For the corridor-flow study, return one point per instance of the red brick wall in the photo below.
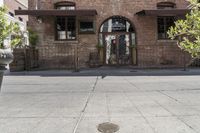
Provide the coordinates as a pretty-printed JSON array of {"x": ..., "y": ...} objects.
[{"x": 150, "y": 51}]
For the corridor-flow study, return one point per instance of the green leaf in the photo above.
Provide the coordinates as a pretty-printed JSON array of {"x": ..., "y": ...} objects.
[
  {"x": 188, "y": 30},
  {"x": 7, "y": 29}
]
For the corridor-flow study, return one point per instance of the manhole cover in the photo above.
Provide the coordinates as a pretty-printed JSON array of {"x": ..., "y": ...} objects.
[{"x": 108, "y": 127}]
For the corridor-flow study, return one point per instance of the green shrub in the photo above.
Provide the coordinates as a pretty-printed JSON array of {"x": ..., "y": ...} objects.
[{"x": 33, "y": 37}]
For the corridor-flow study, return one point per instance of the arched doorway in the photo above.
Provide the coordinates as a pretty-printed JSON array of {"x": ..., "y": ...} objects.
[{"x": 117, "y": 37}]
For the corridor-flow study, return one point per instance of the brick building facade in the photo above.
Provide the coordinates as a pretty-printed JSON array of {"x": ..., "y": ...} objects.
[{"x": 122, "y": 32}]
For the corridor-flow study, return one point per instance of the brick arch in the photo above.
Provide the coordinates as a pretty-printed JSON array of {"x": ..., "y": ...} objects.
[{"x": 103, "y": 20}]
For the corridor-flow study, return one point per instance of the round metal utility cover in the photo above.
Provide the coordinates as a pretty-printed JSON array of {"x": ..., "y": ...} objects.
[{"x": 108, "y": 127}]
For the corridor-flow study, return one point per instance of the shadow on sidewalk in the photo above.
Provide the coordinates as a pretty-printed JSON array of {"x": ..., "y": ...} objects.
[{"x": 110, "y": 71}]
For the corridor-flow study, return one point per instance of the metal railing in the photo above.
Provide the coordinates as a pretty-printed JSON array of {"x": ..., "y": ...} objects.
[
  {"x": 57, "y": 56},
  {"x": 73, "y": 56}
]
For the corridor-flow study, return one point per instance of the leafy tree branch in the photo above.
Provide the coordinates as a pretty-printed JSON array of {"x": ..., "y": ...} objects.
[{"x": 187, "y": 30}]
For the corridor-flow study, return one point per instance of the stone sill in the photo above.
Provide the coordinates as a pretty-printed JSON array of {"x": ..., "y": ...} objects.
[
  {"x": 66, "y": 42},
  {"x": 169, "y": 41}
]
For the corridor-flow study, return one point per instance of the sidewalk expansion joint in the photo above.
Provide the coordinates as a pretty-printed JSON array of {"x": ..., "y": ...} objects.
[{"x": 85, "y": 106}]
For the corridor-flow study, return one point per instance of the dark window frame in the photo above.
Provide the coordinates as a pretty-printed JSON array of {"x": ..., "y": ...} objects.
[
  {"x": 11, "y": 14},
  {"x": 168, "y": 21},
  {"x": 66, "y": 29},
  {"x": 165, "y": 25},
  {"x": 86, "y": 32},
  {"x": 20, "y": 19},
  {"x": 131, "y": 28},
  {"x": 65, "y": 4}
]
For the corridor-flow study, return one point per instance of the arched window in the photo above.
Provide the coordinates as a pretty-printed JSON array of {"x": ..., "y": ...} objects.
[
  {"x": 165, "y": 22},
  {"x": 65, "y": 25},
  {"x": 166, "y": 5},
  {"x": 117, "y": 35},
  {"x": 117, "y": 24},
  {"x": 65, "y": 5}
]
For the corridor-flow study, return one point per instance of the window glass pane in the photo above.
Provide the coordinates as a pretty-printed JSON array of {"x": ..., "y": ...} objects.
[
  {"x": 100, "y": 39},
  {"x": 166, "y": 5},
  {"x": 61, "y": 30},
  {"x": 71, "y": 28},
  {"x": 106, "y": 27},
  {"x": 164, "y": 23},
  {"x": 133, "y": 39},
  {"x": 65, "y": 26},
  {"x": 129, "y": 27},
  {"x": 66, "y": 7},
  {"x": 11, "y": 14},
  {"x": 86, "y": 27},
  {"x": 117, "y": 24},
  {"x": 161, "y": 28},
  {"x": 169, "y": 22}
]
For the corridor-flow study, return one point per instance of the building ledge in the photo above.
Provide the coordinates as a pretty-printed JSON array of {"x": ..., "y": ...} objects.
[
  {"x": 167, "y": 41},
  {"x": 55, "y": 12},
  {"x": 163, "y": 12},
  {"x": 66, "y": 42}
]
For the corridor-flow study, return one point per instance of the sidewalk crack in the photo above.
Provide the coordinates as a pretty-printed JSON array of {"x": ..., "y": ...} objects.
[{"x": 85, "y": 106}]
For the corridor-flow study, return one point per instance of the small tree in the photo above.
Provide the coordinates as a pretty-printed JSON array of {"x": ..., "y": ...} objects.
[
  {"x": 8, "y": 28},
  {"x": 187, "y": 31}
]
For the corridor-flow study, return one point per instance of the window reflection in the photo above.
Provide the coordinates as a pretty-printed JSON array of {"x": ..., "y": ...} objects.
[
  {"x": 116, "y": 24},
  {"x": 117, "y": 35},
  {"x": 65, "y": 26}
]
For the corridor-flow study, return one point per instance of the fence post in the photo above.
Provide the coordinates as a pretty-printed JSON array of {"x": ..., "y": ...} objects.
[
  {"x": 184, "y": 61},
  {"x": 25, "y": 58},
  {"x": 76, "y": 58}
]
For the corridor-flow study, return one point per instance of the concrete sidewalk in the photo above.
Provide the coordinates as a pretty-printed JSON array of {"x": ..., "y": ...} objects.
[{"x": 145, "y": 101}]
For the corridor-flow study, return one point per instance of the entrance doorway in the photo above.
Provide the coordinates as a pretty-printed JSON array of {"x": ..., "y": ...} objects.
[
  {"x": 117, "y": 37},
  {"x": 117, "y": 50}
]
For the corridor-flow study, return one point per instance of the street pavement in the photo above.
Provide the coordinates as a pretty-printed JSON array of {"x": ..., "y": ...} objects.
[{"x": 138, "y": 101}]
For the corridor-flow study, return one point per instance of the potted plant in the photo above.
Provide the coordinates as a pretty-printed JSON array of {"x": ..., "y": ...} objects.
[
  {"x": 101, "y": 52},
  {"x": 7, "y": 29}
]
